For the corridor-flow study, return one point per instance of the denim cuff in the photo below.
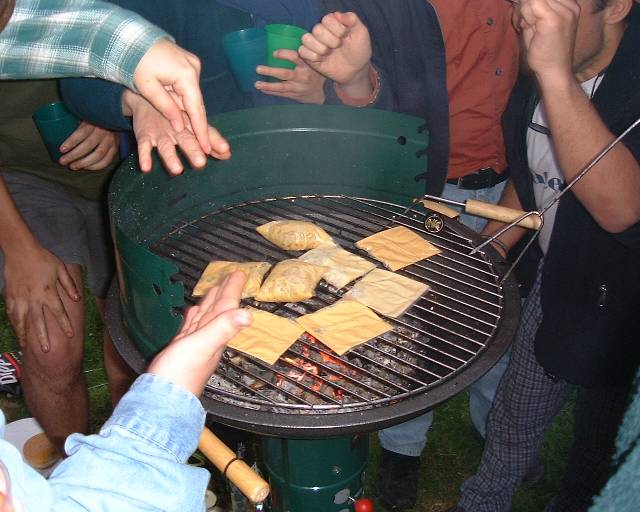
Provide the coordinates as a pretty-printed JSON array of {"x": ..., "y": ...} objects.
[{"x": 161, "y": 412}]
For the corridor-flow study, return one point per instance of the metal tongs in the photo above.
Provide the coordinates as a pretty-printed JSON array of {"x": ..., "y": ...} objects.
[{"x": 531, "y": 220}]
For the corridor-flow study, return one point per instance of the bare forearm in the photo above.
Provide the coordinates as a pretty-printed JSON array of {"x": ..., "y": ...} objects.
[
  {"x": 360, "y": 86},
  {"x": 611, "y": 190},
  {"x": 15, "y": 235}
]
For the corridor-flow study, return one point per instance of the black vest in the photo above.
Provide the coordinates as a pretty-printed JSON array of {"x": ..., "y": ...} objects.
[{"x": 590, "y": 332}]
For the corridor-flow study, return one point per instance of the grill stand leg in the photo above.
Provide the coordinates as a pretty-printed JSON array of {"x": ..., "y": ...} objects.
[{"x": 318, "y": 475}]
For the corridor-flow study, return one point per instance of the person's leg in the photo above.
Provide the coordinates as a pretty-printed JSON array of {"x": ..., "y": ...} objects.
[
  {"x": 408, "y": 438},
  {"x": 53, "y": 383},
  {"x": 403, "y": 443},
  {"x": 100, "y": 272},
  {"x": 598, "y": 415},
  {"x": 120, "y": 376},
  {"x": 481, "y": 392},
  {"x": 526, "y": 403},
  {"x": 397, "y": 478}
]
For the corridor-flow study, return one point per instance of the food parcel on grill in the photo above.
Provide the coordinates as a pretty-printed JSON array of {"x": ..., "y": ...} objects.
[
  {"x": 294, "y": 235},
  {"x": 344, "y": 325},
  {"x": 387, "y": 293},
  {"x": 397, "y": 247},
  {"x": 216, "y": 271},
  {"x": 291, "y": 281},
  {"x": 267, "y": 337},
  {"x": 343, "y": 266}
]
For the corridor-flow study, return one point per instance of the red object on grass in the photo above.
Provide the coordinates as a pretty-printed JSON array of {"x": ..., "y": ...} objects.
[{"x": 364, "y": 505}]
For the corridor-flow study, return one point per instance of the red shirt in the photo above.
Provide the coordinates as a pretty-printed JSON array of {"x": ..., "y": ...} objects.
[{"x": 482, "y": 66}]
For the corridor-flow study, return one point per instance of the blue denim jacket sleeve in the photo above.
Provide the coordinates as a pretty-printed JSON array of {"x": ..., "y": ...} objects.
[{"x": 135, "y": 463}]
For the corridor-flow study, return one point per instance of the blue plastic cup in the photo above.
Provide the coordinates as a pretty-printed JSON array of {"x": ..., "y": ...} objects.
[
  {"x": 245, "y": 50},
  {"x": 55, "y": 123}
]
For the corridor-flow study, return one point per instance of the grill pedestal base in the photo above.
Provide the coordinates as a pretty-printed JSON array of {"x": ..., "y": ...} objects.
[{"x": 315, "y": 475}]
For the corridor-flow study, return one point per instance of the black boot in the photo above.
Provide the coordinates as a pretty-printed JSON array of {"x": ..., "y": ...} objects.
[{"x": 397, "y": 482}]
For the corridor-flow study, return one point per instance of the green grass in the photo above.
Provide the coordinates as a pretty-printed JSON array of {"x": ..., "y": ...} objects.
[{"x": 452, "y": 453}]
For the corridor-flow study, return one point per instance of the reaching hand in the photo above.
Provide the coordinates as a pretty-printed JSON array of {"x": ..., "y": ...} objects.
[
  {"x": 339, "y": 48},
  {"x": 548, "y": 29},
  {"x": 153, "y": 130},
  {"x": 302, "y": 84},
  {"x": 34, "y": 281},
  {"x": 193, "y": 355},
  {"x": 89, "y": 148},
  {"x": 167, "y": 67}
]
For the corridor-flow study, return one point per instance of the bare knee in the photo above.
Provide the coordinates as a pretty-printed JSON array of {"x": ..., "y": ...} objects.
[{"x": 57, "y": 369}]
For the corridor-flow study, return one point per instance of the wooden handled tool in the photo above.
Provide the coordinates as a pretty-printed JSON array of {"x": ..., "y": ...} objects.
[
  {"x": 244, "y": 478},
  {"x": 492, "y": 211}
]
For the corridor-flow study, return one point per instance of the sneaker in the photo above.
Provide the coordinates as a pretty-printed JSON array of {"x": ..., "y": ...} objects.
[{"x": 397, "y": 482}]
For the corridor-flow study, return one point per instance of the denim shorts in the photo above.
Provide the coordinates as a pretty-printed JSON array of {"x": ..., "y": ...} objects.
[{"x": 69, "y": 226}]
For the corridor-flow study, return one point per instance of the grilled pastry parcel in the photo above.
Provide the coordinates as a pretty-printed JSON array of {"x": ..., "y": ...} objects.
[
  {"x": 343, "y": 266},
  {"x": 294, "y": 235},
  {"x": 216, "y": 271},
  {"x": 291, "y": 281}
]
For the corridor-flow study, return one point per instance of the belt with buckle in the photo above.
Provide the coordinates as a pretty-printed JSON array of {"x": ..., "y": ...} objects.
[{"x": 484, "y": 178}]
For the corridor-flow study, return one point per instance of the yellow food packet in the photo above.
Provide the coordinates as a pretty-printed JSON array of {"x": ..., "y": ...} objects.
[
  {"x": 343, "y": 266},
  {"x": 294, "y": 235},
  {"x": 216, "y": 271},
  {"x": 344, "y": 325},
  {"x": 387, "y": 293},
  {"x": 291, "y": 281},
  {"x": 397, "y": 247},
  {"x": 268, "y": 337}
]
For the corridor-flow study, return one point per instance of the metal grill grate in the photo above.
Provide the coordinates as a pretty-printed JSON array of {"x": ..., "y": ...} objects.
[{"x": 444, "y": 332}]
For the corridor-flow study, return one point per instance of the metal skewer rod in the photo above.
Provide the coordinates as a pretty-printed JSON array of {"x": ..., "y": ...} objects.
[
  {"x": 505, "y": 214},
  {"x": 571, "y": 184},
  {"x": 555, "y": 199},
  {"x": 589, "y": 166},
  {"x": 529, "y": 220},
  {"x": 407, "y": 209},
  {"x": 506, "y": 228},
  {"x": 443, "y": 200}
]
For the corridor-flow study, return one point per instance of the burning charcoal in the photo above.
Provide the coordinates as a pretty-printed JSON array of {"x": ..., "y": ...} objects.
[
  {"x": 236, "y": 360},
  {"x": 356, "y": 362},
  {"x": 287, "y": 385},
  {"x": 298, "y": 307}
]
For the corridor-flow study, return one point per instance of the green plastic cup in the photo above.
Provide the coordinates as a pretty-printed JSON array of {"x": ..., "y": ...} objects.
[
  {"x": 282, "y": 37},
  {"x": 245, "y": 50},
  {"x": 55, "y": 123}
]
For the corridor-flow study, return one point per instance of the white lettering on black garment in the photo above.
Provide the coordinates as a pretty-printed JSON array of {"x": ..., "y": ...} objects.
[{"x": 548, "y": 178}]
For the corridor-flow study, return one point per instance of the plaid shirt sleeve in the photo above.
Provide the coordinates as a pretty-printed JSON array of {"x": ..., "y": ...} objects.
[{"x": 54, "y": 38}]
